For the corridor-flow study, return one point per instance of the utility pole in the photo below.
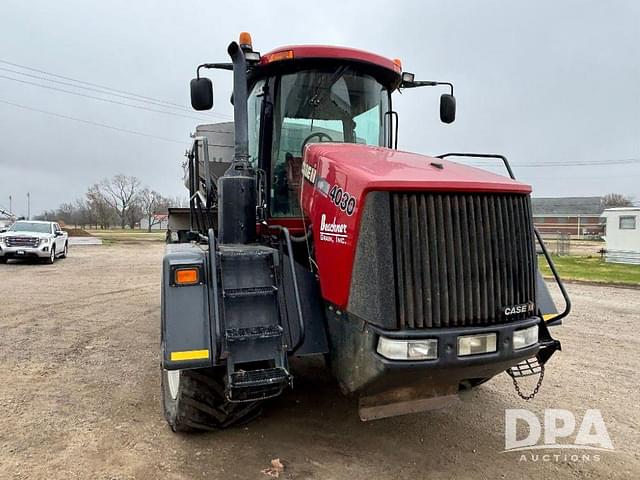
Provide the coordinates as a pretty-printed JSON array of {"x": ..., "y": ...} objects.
[
  {"x": 28, "y": 206},
  {"x": 10, "y": 204}
]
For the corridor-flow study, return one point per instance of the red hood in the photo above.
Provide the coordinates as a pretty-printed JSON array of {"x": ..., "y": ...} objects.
[
  {"x": 384, "y": 169},
  {"x": 336, "y": 180}
]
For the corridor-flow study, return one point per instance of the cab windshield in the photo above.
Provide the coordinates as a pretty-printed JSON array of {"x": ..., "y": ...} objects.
[{"x": 338, "y": 105}]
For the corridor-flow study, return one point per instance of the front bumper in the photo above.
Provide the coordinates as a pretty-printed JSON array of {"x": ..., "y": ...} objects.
[
  {"x": 41, "y": 251},
  {"x": 361, "y": 369}
]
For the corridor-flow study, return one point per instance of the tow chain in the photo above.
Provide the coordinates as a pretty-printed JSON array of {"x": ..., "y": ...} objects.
[{"x": 535, "y": 390}]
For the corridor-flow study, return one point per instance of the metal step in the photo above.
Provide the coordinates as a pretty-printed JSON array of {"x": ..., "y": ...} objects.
[
  {"x": 253, "y": 385},
  {"x": 525, "y": 368},
  {"x": 250, "y": 292},
  {"x": 253, "y": 333}
]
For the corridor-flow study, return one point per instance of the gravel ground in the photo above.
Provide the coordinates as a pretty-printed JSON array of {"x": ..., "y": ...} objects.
[{"x": 79, "y": 393}]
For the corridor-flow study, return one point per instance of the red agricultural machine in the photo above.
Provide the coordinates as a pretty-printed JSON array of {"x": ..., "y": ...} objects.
[{"x": 310, "y": 233}]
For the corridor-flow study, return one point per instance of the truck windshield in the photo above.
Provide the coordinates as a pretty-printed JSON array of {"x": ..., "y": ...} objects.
[
  {"x": 30, "y": 227},
  {"x": 339, "y": 105}
]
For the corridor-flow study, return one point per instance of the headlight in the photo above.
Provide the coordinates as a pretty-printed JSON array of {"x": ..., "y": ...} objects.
[
  {"x": 476, "y": 344},
  {"x": 44, "y": 241},
  {"x": 408, "y": 349},
  {"x": 525, "y": 337}
]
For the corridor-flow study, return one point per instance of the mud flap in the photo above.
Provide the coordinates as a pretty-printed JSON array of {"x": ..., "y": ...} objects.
[{"x": 185, "y": 333}]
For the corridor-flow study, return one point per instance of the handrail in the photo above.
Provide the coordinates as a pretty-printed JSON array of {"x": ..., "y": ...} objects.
[
  {"x": 482, "y": 155},
  {"x": 213, "y": 292},
  {"x": 556, "y": 276},
  {"x": 292, "y": 266}
]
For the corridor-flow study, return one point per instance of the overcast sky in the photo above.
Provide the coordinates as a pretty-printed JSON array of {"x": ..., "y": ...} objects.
[{"x": 541, "y": 82}]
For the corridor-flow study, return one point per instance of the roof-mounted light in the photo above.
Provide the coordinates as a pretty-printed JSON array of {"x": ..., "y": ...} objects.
[
  {"x": 278, "y": 56},
  {"x": 398, "y": 63},
  {"x": 245, "y": 41}
]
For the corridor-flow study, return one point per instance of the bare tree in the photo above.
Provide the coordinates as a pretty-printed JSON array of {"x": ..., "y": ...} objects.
[
  {"x": 612, "y": 200},
  {"x": 66, "y": 213},
  {"x": 179, "y": 201},
  {"x": 83, "y": 214},
  {"x": 153, "y": 204},
  {"x": 101, "y": 211},
  {"x": 121, "y": 194}
]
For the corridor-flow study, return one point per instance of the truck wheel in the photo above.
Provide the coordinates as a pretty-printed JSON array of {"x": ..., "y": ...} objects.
[
  {"x": 194, "y": 400},
  {"x": 65, "y": 252},
  {"x": 52, "y": 256}
]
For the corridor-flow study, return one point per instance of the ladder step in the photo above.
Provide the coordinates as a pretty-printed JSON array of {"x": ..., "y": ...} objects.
[
  {"x": 259, "y": 378},
  {"x": 254, "y": 253},
  {"x": 525, "y": 368},
  {"x": 253, "y": 333},
  {"x": 250, "y": 292}
]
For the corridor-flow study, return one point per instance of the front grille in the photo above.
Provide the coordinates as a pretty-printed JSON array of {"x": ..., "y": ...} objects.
[
  {"x": 460, "y": 259},
  {"x": 23, "y": 242}
]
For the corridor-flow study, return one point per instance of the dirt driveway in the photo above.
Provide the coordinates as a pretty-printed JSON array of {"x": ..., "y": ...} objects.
[{"x": 79, "y": 393}]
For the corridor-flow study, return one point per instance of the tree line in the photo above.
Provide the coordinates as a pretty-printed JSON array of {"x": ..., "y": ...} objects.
[{"x": 118, "y": 201}]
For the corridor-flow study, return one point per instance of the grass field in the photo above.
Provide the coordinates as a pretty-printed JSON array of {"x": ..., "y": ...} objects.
[
  {"x": 592, "y": 269},
  {"x": 128, "y": 236}
]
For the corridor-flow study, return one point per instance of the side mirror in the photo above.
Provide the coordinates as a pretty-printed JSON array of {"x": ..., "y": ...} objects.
[
  {"x": 2, "y": 230},
  {"x": 59, "y": 233},
  {"x": 447, "y": 108},
  {"x": 201, "y": 93}
]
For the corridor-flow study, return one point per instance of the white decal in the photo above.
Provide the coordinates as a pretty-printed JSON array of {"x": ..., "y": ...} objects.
[
  {"x": 309, "y": 173},
  {"x": 332, "y": 232}
]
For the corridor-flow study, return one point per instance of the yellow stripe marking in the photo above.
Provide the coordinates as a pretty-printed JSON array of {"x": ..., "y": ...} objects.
[
  {"x": 548, "y": 316},
  {"x": 190, "y": 355}
]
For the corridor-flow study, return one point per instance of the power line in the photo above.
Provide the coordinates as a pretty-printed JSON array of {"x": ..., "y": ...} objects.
[
  {"x": 115, "y": 102},
  {"x": 90, "y": 122},
  {"x": 104, "y": 87},
  {"x": 97, "y": 90},
  {"x": 108, "y": 89}
]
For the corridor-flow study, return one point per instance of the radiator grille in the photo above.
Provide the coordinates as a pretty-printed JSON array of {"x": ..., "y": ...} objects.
[
  {"x": 23, "y": 242},
  {"x": 460, "y": 259}
]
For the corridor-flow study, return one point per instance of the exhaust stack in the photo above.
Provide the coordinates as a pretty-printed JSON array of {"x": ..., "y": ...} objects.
[{"x": 237, "y": 187}]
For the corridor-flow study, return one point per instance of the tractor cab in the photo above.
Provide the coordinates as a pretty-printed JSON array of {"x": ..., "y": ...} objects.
[
  {"x": 299, "y": 103},
  {"x": 298, "y": 95}
]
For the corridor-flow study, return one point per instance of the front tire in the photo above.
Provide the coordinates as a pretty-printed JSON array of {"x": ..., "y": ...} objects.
[
  {"x": 65, "y": 251},
  {"x": 195, "y": 400},
  {"x": 52, "y": 256}
]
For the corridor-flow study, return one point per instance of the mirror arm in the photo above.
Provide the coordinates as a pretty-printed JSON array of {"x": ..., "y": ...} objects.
[
  {"x": 220, "y": 66},
  {"x": 426, "y": 83}
]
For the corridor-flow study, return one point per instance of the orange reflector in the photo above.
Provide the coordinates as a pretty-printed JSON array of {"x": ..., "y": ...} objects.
[
  {"x": 187, "y": 276},
  {"x": 245, "y": 40},
  {"x": 277, "y": 56}
]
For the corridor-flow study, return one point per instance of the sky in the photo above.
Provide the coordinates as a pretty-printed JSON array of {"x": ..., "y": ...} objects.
[{"x": 546, "y": 83}]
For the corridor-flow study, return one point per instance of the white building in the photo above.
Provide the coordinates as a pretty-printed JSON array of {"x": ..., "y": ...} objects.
[{"x": 622, "y": 234}]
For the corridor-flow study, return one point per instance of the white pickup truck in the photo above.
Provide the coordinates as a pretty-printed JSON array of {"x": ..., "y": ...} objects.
[{"x": 32, "y": 239}]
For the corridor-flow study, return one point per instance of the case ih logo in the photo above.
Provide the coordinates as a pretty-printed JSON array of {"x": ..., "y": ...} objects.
[
  {"x": 309, "y": 173},
  {"x": 332, "y": 232},
  {"x": 515, "y": 309}
]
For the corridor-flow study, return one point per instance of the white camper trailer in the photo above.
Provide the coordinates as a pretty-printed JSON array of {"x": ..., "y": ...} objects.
[{"x": 622, "y": 234}]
